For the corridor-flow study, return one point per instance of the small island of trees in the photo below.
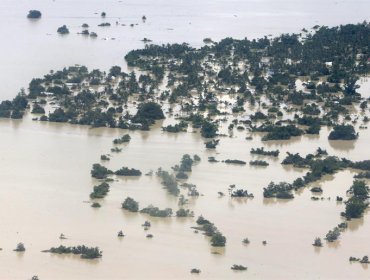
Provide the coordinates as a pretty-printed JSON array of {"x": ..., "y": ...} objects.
[{"x": 34, "y": 14}]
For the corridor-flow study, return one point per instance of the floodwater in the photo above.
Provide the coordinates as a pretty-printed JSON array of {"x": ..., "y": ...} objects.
[{"x": 45, "y": 167}]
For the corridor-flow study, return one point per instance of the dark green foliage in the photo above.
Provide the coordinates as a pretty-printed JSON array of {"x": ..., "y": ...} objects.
[
  {"x": 182, "y": 175},
  {"x": 209, "y": 229},
  {"x": 208, "y": 129},
  {"x": 95, "y": 205},
  {"x": 282, "y": 133},
  {"x": 362, "y": 165},
  {"x": 259, "y": 162},
  {"x": 212, "y": 144},
  {"x": 359, "y": 189},
  {"x": 20, "y": 248},
  {"x": 363, "y": 175},
  {"x": 317, "y": 242},
  {"x": 156, "y": 212},
  {"x": 125, "y": 171},
  {"x": 180, "y": 127},
  {"x": 84, "y": 251},
  {"x": 37, "y": 109},
  {"x": 281, "y": 190},
  {"x": 333, "y": 235},
  {"x": 104, "y": 157},
  {"x": 184, "y": 213},
  {"x": 115, "y": 71},
  {"x": 149, "y": 111},
  {"x": 100, "y": 191},
  {"x": 104, "y": 24},
  {"x": 235, "y": 161},
  {"x": 296, "y": 160},
  {"x": 169, "y": 182},
  {"x": 316, "y": 190},
  {"x": 357, "y": 204},
  {"x": 63, "y": 30},
  {"x": 240, "y": 193},
  {"x": 130, "y": 204},
  {"x": 58, "y": 116},
  {"x": 238, "y": 267},
  {"x": 34, "y": 14},
  {"x": 100, "y": 172},
  {"x": 343, "y": 132},
  {"x": 261, "y": 151},
  {"x": 124, "y": 139},
  {"x": 218, "y": 240}
]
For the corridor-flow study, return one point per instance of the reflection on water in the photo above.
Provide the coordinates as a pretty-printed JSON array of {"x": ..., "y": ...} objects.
[{"x": 342, "y": 145}]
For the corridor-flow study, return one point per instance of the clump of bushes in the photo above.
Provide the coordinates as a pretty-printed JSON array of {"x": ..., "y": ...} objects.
[
  {"x": 84, "y": 251},
  {"x": 124, "y": 139},
  {"x": 259, "y": 162},
  {"x": 125, "y": 171},
  {"x": 100, "y": 172},
  {"x": 130, "y": 204},
  {"x": 343, "y": 132},
  {"x": 261, "y": 151},
  {"x": 281, "y": 190},
  {"x": 100, "y": 191},
  {"x": 156, "y": 212},
  {"x": 209, "y": 229},
  {"x": 238, "y": 267}
]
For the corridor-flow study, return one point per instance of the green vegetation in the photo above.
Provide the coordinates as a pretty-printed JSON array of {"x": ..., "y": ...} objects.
[
  {"x": 333, "y": 235},
  {"x": 184, "y": 213},
  {"x": 235, "y": 161},
  {"x": 20, "y": 248},
  {"x": 84, "y": 251},
  {"x": 100, "y": 191},
  {"x": 238, "y": 267},
  {"x": 357, "y": 203},
  {"x": 104, "y": 157},
  {"x": 37, "y": 109},
  {"x": 124, "y": 139},
  {"x": 156, "y": 212},
  {"x": 259, "y": 162},
  {"x": 212, "y": 144},
  {"x": 195, "y": 270},
  {"x": 149, "y": 111},
  {"x": 281, "y": 190},
  {"x": 209, "y": 229},
  {"x": 261, "y": 151},
  {"x": 317, "y": 242},
  {"x": 34, "y": 14},
  {"x": 218, "y": 240},
  {"x": 63, "y": 30},
  {"x": 169, "y": 182},
  {"x": 14, "y": 109},
  {"x": 246, "y": 241},
  {"x": 125, "y": 171},
  {"x": 208, "y": 129},
  {"x": 282, "y": 133},
  {"x": 182, "y": 126},
  {"x": 130, "y": 204},
  {"x": 100, "y": 172},
  {"x": 239, "y": 192},
  {"x": 316, "y": 190},
  {"x": 364, "y": 260},
  {"x": 343, "y": 132}
]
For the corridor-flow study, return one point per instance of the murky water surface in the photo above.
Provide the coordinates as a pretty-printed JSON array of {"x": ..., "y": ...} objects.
[{"x": 45, "y": 180}]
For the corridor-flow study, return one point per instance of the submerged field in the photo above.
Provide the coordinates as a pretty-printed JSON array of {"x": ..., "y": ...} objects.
[{"x": 220, "y": 101}]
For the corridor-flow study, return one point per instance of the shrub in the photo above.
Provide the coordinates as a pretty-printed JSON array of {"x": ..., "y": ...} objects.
[
  {"x": 343, "y": 132},
  {"x": 130, "y": 204}
]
